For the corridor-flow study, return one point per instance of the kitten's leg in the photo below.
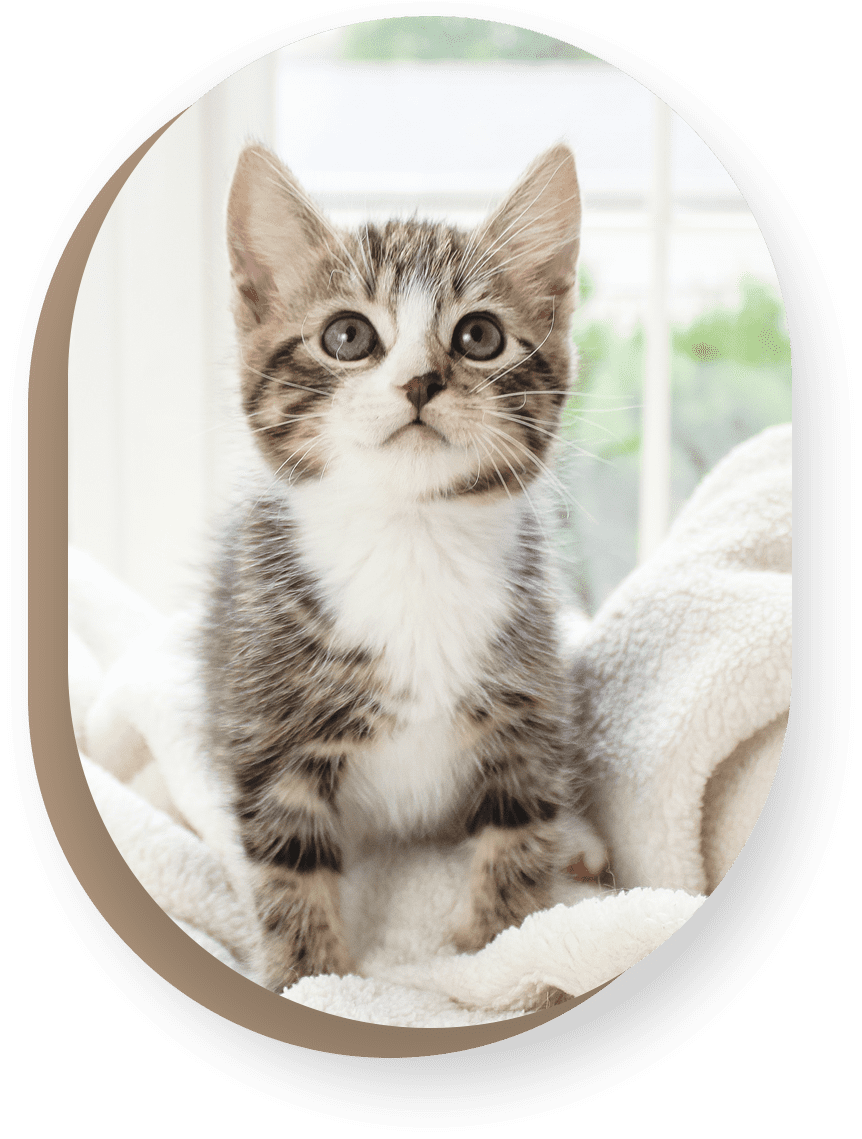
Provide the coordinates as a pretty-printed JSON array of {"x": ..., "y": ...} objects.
[
  {"x": 512, "y": 874},
  {"x": 301, "y": 932},
  {"x": 290, "y": 837}
]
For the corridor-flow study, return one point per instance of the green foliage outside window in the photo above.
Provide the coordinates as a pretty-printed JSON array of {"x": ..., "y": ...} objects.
[
  {"x": 730, "y": 376},
  {"x": 452, "y": 37}
]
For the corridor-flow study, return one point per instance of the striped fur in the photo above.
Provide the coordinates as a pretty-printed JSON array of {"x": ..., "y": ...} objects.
[{"x": 380, "y": 652}]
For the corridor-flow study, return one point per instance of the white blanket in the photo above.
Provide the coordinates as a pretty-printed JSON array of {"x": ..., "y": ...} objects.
[{"x": 685, "y": 673}]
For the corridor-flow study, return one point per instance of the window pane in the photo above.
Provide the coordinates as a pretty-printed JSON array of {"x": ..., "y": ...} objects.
[{"x": 447, "y": 137}]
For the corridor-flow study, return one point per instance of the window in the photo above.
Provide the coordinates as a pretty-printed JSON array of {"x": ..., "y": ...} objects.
[{"x": 680, "y": 331}]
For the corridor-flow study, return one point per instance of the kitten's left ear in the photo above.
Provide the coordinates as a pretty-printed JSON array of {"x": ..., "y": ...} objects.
[{"x": 537, "y": 229}]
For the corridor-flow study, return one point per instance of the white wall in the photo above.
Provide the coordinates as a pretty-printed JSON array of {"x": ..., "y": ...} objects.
[{"x": 151, "y": 367}]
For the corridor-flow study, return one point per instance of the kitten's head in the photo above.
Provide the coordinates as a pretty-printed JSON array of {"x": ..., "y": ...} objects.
[{"x": 414, "y": 354}]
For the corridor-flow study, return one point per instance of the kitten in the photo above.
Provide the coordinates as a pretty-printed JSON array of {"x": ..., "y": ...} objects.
[{"x": 380, "y": 654}]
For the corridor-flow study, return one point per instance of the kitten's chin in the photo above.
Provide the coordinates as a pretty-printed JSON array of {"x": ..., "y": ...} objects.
[{"x": 415, "y": 462}]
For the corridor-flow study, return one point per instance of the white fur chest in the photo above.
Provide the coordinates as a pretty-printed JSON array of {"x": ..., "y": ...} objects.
[{"x": 424, "y": 587}]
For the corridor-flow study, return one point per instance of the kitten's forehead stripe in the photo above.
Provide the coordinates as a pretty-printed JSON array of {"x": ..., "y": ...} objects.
[{"x": 406, "y": 253}]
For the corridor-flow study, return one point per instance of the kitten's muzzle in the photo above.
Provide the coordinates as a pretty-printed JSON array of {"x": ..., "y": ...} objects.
[{"x": 421, "y": 389}]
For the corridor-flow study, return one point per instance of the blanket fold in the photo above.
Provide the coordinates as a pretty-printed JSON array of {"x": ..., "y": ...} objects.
[
  {"x": 686, "y": 661},
  {"x": 685, "y": 682}
]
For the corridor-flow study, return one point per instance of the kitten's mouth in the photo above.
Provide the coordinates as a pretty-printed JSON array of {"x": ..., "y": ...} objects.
[{"x": 417, "y": 428}]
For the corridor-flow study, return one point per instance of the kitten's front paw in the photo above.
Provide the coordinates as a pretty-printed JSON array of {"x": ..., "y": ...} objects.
[
  {"x": 278, "y": 975},
  {"x": 475, "y": 935}
]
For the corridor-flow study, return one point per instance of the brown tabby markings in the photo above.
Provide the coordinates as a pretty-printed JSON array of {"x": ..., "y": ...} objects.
[
  {"x": 291, "y": 708},
  {"x": 511, "y": 876}
]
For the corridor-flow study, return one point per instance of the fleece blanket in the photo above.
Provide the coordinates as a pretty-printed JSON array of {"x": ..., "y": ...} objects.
[{"x": 684, "y": 676}]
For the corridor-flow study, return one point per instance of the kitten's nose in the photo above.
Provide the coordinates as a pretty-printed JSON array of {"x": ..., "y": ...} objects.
[{"x": 421, "y": 389}]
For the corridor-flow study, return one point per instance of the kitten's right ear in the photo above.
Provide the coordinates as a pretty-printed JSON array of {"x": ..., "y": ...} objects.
[{"x": 274, "y": 233}]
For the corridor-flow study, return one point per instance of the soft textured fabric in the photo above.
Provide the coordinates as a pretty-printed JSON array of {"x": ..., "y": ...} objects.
[{"x": 685, "y": 676}]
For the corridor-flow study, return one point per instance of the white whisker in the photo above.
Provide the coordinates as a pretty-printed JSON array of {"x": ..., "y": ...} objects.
[
  {"x": 561, "y": 441},
  {"x": 598, "y": 426},
  {"x": 529, "y": 424},
  {"x": 284, "y": 383},
  {"x": 497, "y": 472},
  {"x": 563, "y": 491},
  {"x": 265, "y": 491},
  {"x": 539, "y": 391},
  {"x": 317, "y": 440},
  {"x": 547, "y": 426},
  {"x": 290, "y": 419},
  {"x": 527, "y": 494}
]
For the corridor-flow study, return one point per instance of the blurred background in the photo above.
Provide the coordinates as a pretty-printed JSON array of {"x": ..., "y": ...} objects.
[{"x": 680, "y": 328}]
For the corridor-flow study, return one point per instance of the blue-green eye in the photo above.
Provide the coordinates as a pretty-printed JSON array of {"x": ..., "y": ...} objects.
[
  {"x": 478, "y": 337},
  {"x": 349, "y": 337}
]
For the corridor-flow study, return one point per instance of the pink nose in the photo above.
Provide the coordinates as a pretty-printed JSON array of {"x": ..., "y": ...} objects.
[{"x": 421, "y": 389}]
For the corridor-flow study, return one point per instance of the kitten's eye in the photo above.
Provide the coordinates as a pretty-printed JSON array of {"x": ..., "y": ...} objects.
[
  {"x": 349, "y": 337},
  {"x": 478, "y": 337}
]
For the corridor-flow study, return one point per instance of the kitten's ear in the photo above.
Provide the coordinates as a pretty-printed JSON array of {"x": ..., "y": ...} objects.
[
  {"x": 274, "y": 233},
  {"x": 537, "y": 229}
]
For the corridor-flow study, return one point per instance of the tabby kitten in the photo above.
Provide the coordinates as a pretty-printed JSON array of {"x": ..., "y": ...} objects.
[{"x": 380, "y": 654}]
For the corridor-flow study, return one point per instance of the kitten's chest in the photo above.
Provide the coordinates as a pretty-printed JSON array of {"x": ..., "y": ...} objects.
[{"x": 425, "y": 591}]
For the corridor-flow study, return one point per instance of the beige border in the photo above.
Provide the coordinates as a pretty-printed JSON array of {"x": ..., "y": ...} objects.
[{"x": 108, "y": 881}]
